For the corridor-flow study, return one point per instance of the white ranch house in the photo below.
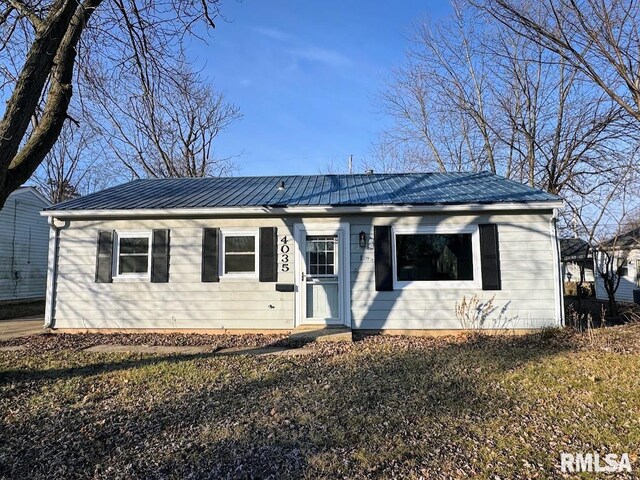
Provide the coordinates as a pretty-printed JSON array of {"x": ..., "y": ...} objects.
[{"x": 374, "y": 252}]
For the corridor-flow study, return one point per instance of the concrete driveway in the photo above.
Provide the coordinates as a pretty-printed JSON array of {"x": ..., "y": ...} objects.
[{"x": 20, "y": 327}]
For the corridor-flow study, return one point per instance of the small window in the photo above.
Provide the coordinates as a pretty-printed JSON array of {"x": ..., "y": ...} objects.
[
  {"x": 623, "y": 268},
  {"x": 239, "y": 253},
  {"x": 133, "y": 254},
  {"x": 434, "y": 257}
]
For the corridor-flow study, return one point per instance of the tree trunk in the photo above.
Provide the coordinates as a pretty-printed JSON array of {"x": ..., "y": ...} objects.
[{"x": 52, "y": 55}]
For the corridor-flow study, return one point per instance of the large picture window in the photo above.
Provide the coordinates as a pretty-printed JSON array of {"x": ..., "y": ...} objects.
[
  {"x": 239, "y": 253},
  {"x": 447, "y": 258},
  {"x": 133, "y": 254}
]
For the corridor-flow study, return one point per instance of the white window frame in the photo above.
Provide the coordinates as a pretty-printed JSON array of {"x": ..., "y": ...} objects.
[
  {"x": 474, "y": 230},
  {"x": 239, "y": 233},
  {"x": 116, "y": 257}
]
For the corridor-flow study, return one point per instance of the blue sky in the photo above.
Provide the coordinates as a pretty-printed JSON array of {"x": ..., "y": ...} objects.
[{"x": 305, "y": 75}]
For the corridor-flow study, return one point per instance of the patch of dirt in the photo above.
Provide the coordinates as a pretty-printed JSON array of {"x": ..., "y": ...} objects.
[
  {"x": 80, "y": 341},
  {"x": 619, "y": 339},
  {"x": 577, "y": 309}
]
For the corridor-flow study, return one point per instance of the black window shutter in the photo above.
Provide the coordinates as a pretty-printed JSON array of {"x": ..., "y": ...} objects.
[
  {"x": 160, "y": 256},
  {"x": 210, "y": 255},
  {"x": 490, "y": 257},
  {"x": 104, "y": 257},
  {"x": 268, "y": 255},
  {"x": 382, "y": 256}
]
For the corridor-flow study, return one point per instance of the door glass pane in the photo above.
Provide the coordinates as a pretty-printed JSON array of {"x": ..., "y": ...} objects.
[
  {"x": 320, "y": 255},
  {"x": 322, "y": 300}
]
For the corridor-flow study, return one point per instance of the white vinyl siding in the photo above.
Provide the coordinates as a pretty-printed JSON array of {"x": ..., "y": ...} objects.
[
  {"x": 527, "y": 264},
  {"x": 24, "y": 238},
  {"x": 184, "y": 302},
  {"x": 529, "y": 278}
]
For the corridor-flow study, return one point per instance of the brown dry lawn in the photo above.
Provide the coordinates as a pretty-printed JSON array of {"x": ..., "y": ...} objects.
[{"x": 378, "y": 408}]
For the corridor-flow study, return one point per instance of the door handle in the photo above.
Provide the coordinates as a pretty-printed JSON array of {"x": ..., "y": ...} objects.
[{"x": 303, "y": 276}]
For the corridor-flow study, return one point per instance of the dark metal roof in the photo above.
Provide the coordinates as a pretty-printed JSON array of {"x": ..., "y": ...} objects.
[
  {"x": 574, "y": 249},
  {"x": 310, "y": 190}
]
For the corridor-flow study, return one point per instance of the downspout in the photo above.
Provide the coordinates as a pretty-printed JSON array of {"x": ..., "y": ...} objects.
[
  {"x": 558, "y": 269},
  {"x": 52, "y": 272}
]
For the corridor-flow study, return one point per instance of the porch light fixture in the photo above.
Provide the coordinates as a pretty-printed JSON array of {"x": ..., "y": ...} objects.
[
  {"x": 362, "y": 241},
  {"x": 281, "y": 185}
]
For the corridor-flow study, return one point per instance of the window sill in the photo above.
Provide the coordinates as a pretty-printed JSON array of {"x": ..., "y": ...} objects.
[
  {"x": 437, "y": 285},
  {"x": 239, "y": 278},
  {"x": 132, "y": 278}
]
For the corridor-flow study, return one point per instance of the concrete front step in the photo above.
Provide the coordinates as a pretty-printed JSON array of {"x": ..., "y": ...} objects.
[{"x": 322, "y": 334}]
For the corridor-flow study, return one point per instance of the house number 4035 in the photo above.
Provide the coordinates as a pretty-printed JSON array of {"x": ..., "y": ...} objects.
[{"x": 285, "y": 251}]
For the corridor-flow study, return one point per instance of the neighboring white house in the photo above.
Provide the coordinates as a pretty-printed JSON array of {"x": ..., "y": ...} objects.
[
  {"x": 378, "y": 251},
  {"x": 24, "y": 240},
  {"x": 627, "y": 257},
  {"x": 575, "y": 255}
]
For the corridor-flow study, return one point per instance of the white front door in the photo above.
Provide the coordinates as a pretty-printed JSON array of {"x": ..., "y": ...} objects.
[{"x": 321, "y": 279}]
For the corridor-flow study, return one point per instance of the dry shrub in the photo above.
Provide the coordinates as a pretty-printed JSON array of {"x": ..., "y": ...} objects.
[{"x": 474, "y": 313}]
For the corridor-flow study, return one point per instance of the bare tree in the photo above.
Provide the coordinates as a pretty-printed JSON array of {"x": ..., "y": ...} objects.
[
  {"x": 42, "y": 41},
  {"x": 475, "y": 96},
  {"x": 61, "y": 173},
  {"x": 387, "y": 157},
  {"x": 604, "y": 218},
  {"x": 161, "y": 126},
  {"x": 599, "y": 38},
  {"x": 74, "y": 166},
  {"x": 599, "y": 41},
  {"x": 439, "y": 99}
]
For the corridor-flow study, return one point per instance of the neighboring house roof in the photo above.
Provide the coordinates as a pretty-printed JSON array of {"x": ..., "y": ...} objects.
[
  {"x": 574, "y": 249},
  {"x": 32, "y": 190},
  {"x": 628, "y": 239},
  {"x": 310, "y": 190}
]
